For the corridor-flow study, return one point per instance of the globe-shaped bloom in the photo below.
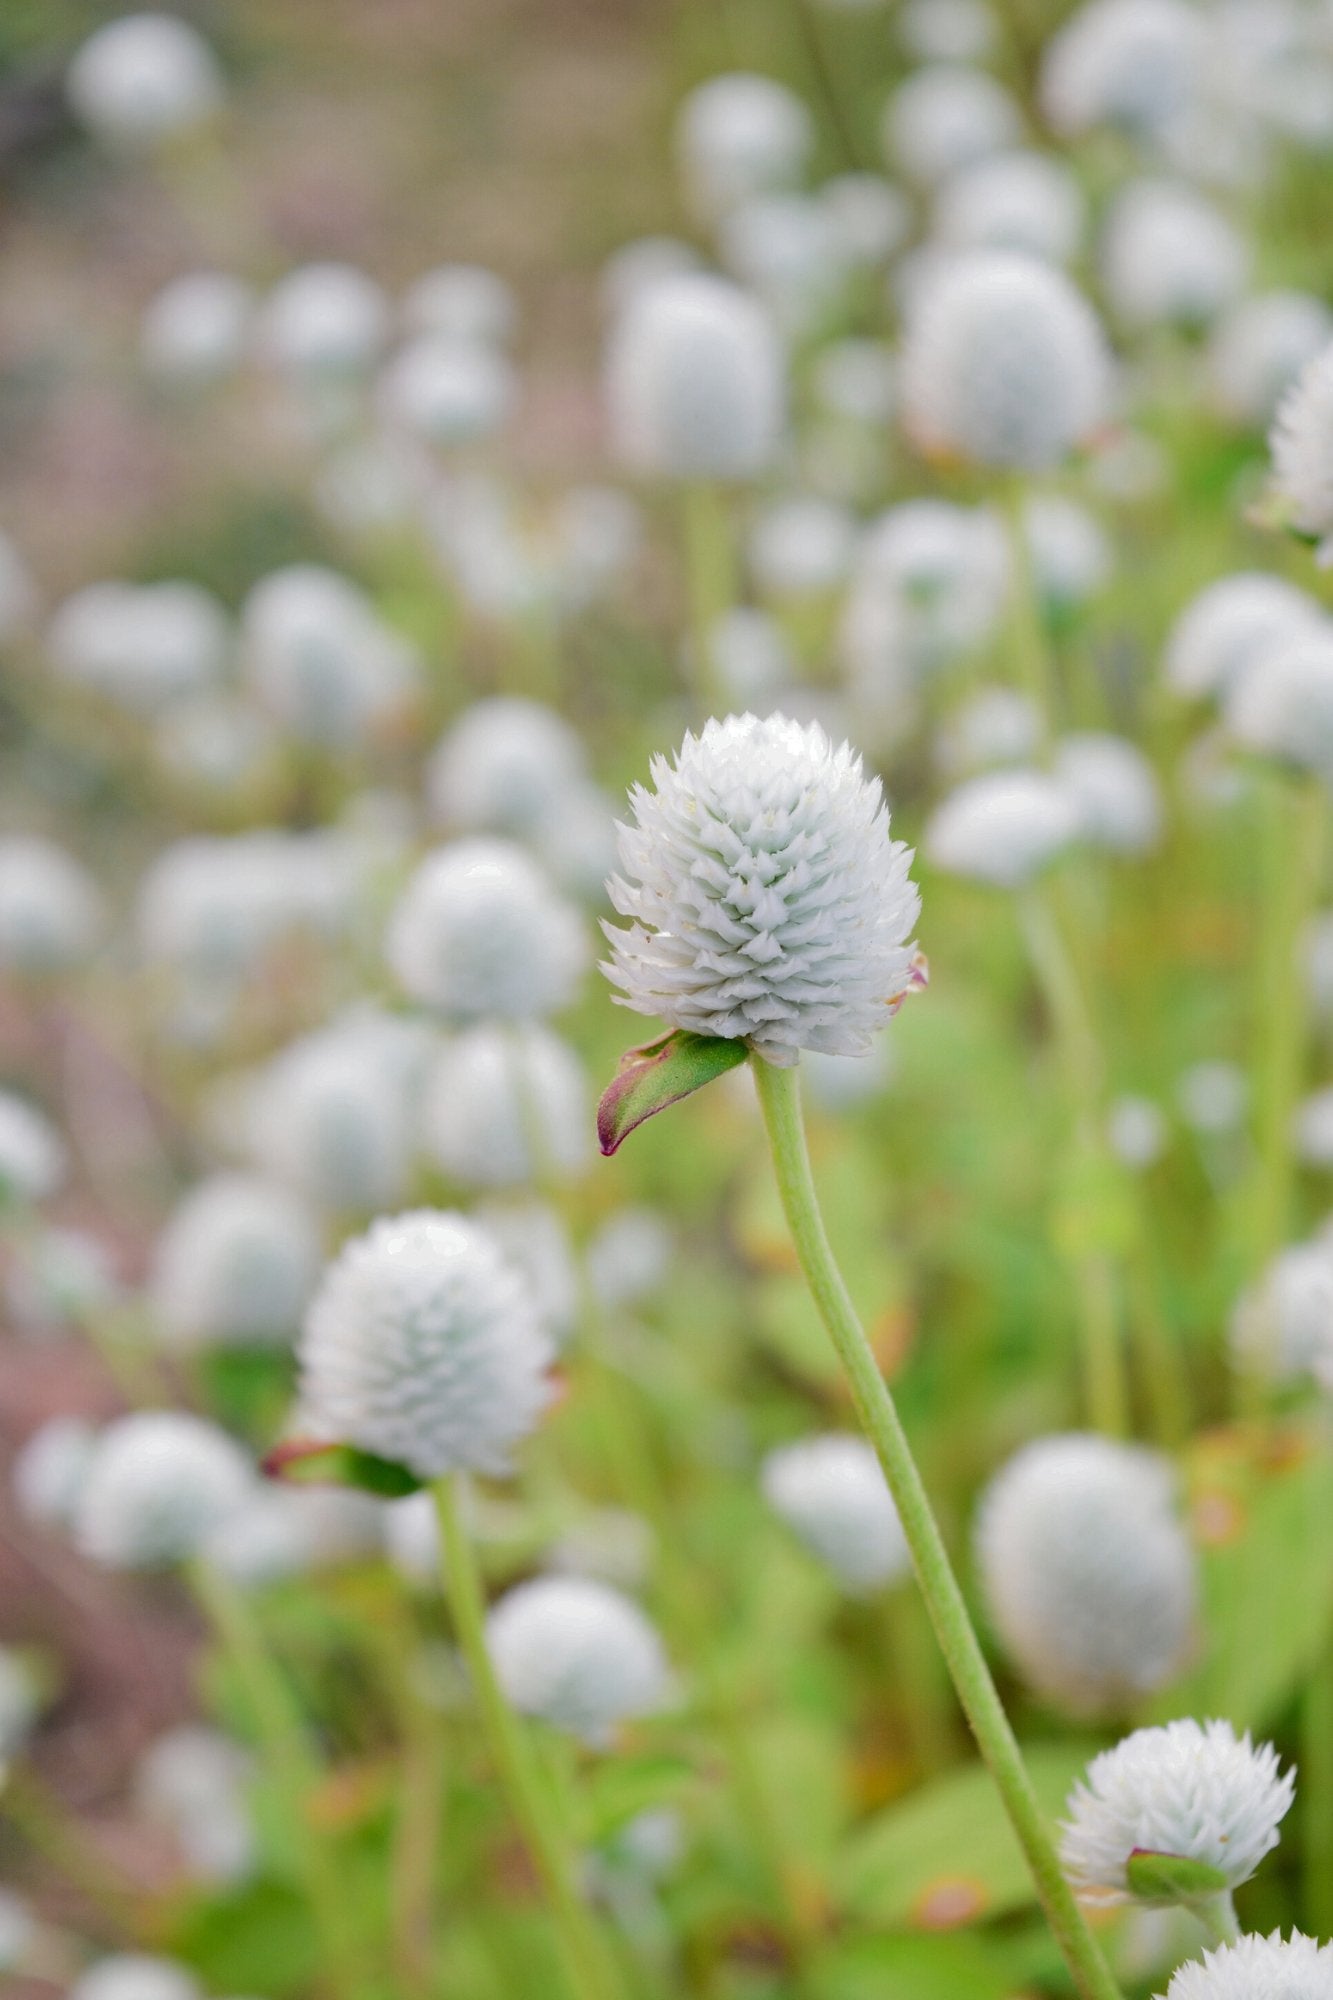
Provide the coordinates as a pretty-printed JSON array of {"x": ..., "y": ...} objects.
[
  {"x": 831, "y": 1492},
  {"x": 1004, "y": 363},
  {"x": 1087, "y": 1573},
  {"x": 1021, "y": 201},
  {"x": 578, "y": 1654},
  {"x": 1232, "y": 625},
  {"x": 132, "y": 1976},
  {"x": 503, "y": 767},
  {"x": 194, "y": 331},
  {"x": 143, "y": 79},
  {"x": 191, "y": 1782},
  {"x": 1188, "y": 1790},
  {"x": 140, "y": 645},
  {"x": 767, "y": 901},
  {"x": 1258, "y": 350},
  {"x": 480, "y": 933},
  {"x": 695, "y": 382},
  {"x": 158, "y": 1484},
  {"x": 33, "y": 1160},
  {"x": 234, "y": 1266},
  {"x": 1114, "y": 788},
  {"x": 1282, "y": 1325},
  {"x": 323, "y": 323},
  {"x": 49, "y": 1470},
  {"x": 947, "y": 116},
  {"x": 331, "y": 1116},
  {"x": 1133, "y": 64},
  {"x": 446, "y": 391},
  {"x": 1258, "y": 1968},
  {"x": 1169, "y": 257},
  {"x": 1283, "y": 707},
  {"x": 423, "y": 1346},
  {"x": 461, "y": 302},
  {"x": 1302, "y": 446},
  {"x": 320, "y": 659},
  {"x": 738, "y": 135},
  {"x": 502, "y": 1106},
  {"x": 1070, "y": 555},
  {"x": 1002, "y": 827},
  {"x": 50, "y": 907}
]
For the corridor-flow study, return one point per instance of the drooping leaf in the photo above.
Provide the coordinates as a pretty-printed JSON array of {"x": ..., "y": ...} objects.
[
  {"x": 315, "y": 1462},
  {"x": 658, "y": 1074}
]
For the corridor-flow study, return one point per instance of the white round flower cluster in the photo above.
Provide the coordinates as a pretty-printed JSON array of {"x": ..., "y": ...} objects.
[
  {"x": 144, "y": 79},
  {"x": 1169, "y": 257},
  {"x": 788, "y": 250},
  {"x": 321, "y": 660},
  {"x": 50, "y": 908},
  {"x": 946, "y": 116},
  {"x": 994, "y": 725},
  {"x": 1285, "y": 709},
  {"x": 49, "y": 1470},
  {"x": 423, "y": 1346},
  {"x": 1258, "y": 1968},
  {"x": 323, "y": 325},
  {"x": 447, "y": 391},
  {"x": 140, "y": 645},
  {"x": 132, "y": 1976},
  {"x": 1232, "y": 627},
  {"x": 831, "y": 1492},
  {"x": 1302, "y": 446},
  {"x": 1133, "y": 64},
  {"x": 1002, "y": 827},
  {"x": 507, "y": 1105},
  {"x": 234, "y": 1265},
  {"x": 461, "y": 302},
  {"x": 158, "y": 1484},
  {"x": 739, "y": 135},
  {"x": 1258, "y": 350},
  {"x": 767, "y": 900},
  {"x": 1188, "y": 1790},
  {"x": 1087, "y": 1573},
  {"x": 1282, "y": 1326},
  {"x": 332, "y": 1113},
  {"x": 192, "y": 1783},
  {"x": 578, "y": 1654},
  {"x": 213, "y": 907},
  {"x": 33, "y": 1158},
  {"x": 1024, "y": 201},
  {"x": 195, "y": 330}
]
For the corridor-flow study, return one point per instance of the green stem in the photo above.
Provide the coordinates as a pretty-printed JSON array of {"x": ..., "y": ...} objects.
[
  {"x": 709, "y": 580},
  {"x": 591, "y": 1971},
  {"x": 1316, "y": 1726},
  {"x": 1033, "y": 666},
  {"x": 292, "y": 1760},
  {"x": 779, "y": 1096},
  {"x": 1218, "y": 1917}
]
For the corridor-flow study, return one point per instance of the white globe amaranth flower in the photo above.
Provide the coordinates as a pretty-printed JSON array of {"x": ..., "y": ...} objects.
[
  {"x": 423, "y": 1346},
  {"x": 1189, "y": 1790},
  {"x": 947, "y": 116},
  {"x": 1258, "y": 349},
  {"x": 1002, "y": 827},
  {"x": 212, "y": 908},
  {"x": 1258, "y": 1968},
  {"x": 49, "y": 1470},
  {"x": 293, "y": 1531},
  {"x": 195, "y": 330},
  {"x": 323, "y": 322},
  {"x": 1282, "y": 1325},
  {"x": 800, "y": 547},
  {"x": 1070, "y": 555},
  {"x": 831, "y": 1493},
  {"x": 947, "y": 30},
  {"x": 856, "y": 380},
  {"x": 18, "y": 1930},
  {"x": 57, "y": 1279},
  {"x": 1003, "y": 364},
  {"x": 140, "y": 645},
  {"x": 695, "y": 381},
  {"x": 234, "y": 1265},
  {"x": 1283, "y": 705},
  {"x": 738, "y": 135},
  {"x": 534, "y": 1239},
  {"x": 1024, "y": 201},
  {"x": 1114, "y": 788},
  {"x": 1087, "y": 1574},
  {"x": 928, "y": 585},
  {"x": 461, "y": 302},
  {"x": 767, "y": 901},
  {"x": 446, "y": 391},
  {"x": 1301, "y": 442},
  {"x": 33, "y": 1158},
  {"x": 330, "y": 1117},
  {"x": 144, "y": 79},
  {"x": 1213, "y": 1096},
  {"x": 869, "y": 216},
  {"x": 51, "y": 911},
  {"x": 504, "y": 1106},
  {"x": 480, "y": 933},
  {"x": 787, "y": 249},
  {"x": 1233, "y": 625},
  {"x": 1136, "y": 1131},
  {"x": 320, "y": 659},
  {"x": 1132, "y": 64},
  {"x": 995, "y": 725},
  {"x": 192, "y": 1782},
  {"x": 159, "y": 1483},
  {"x": 751, "y": 658},
  {"x": 1168, "y": 256},
  {"x": 578, "y": 1654},
  {"x": 630, "y": 1257},
  {"x": 135, "y": 1976}
]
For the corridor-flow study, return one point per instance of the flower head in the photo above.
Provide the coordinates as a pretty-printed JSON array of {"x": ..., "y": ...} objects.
[
  {"x": 505, "y": 1105},
  {"x": 578, "y": 1654},
  {"x": 479, "y": 932},
  {"x": 143, "y": 78},
  {"x": 193, "y": 332},
  {"x": 767, "y": 900},
  {"x": 1003, "y": 827},
  {"x": 50, "y": 908},
  {"x": 158, "y": 1484},
  {"x": 831, "y": 1493},
  {"x": 1258, "y": 1968},
  {"x": 1191, "y": 1791},
  {"x": 1301, "y": 442},
  {"x": 505, "y": 766},
  {"x": 423, "y": 1346},
  {"x": 234, "y": 1265},
  {"x": 132, "y": 1976},
  {"x": 946, "y": 116},
  {"x": 1232, "y": 625},
  {"x": 1169, "y": 257},
  {"x": 1259, "y": 349},
  {"x": 33, "y": 1160},
  {"x": 1283, "y": 706},
  {"x": 738, "y": 135}
]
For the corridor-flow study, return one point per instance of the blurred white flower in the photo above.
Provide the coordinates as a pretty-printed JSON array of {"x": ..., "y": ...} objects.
[
  {"x": 1283, "y": 704},
  {"x": 319, "y": 657},
  {"x": 534, "y": 1239},
  {"x": 1282, "y": 1325},
  {"x": 447, "y": 391},
  {"x": 1258, "y": 349},
  {"x": 1136, "y": 1131},
  {"x": 159, "y": 1483},
  {"x": 800, "y": 547},
  {"x": 1002, "y": 827},
  {"x": 1133, "y": 64},
  {"x": 131, "y": 1976},
  {"x": 788, "y": 250},
  {"x": 1258, "y": 1968},
  {"x": 331, "y": 1115},
  {"x": 578, "y": 1654},
  {"x": 1233, "y": 625},
  {"x": 323, "y": 323},
  {"x": 49, "y": 1470},
  {"x": 1087, "y": 1574},
  {"x": 1189, "y": 1790},
  {"x": 234, "y": 1265},
  {"x": 1003, "y": 363},
  {"x": 33, "y": 1160},
  {"x": 461, "y": 302},
  {"x": 831, "y": 1493},
  {"x": 411, "y": 1531},
  {"x": 144, "y": 79},
  {"x": 195, "y": 330},
  {"x": 640, "y": 264},
  {"x": 946, "y": 116},
  {"x": 766, "y": 897},
  {"x": 503, "y": 767},
  {"x": 56, "y": 1279},
  {"x": 869, "y": 216},
  {"x": 1070, "y": 555},
  {"x": 995, "y": 725},
  {"x": 1213, "y": 1096},
  {"x": 192, "y": 1782},
  {"x": 507, "y": 1105},
  {"x": 480, "y": 933},
  {"x": 1169, "y": 257},
  {"x": 738, "y": 135},
  {"x": 1114, "y": 788},
  {"x": 857, "y": 379},
  {"x": 1312, "y": 1129},
  {"x": 947, "y": 30},
  {"x": 1024, "y": 201},
  {"x": 630, "y": 1257},
  {"x": 751, "y": 659},
  {"x": 1301, "y": 442},
  {"x": 50, "y": 908},
  {"x": 140, "y": 645},
  {"x": 695, "y": 381},
  {"x": 293, "y": 1531},
  {"x": 423, "y": 1345}
]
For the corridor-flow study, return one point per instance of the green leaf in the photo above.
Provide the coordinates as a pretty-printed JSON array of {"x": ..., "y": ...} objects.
[
  {"x": 1172, "y": 1878},
  {"x": 618, "y": 1789},
  {"x": 313, "y": 1462},
  {"x": 658, "y": 1074},
  {"x": 926, "y": 1968},
  {"x": 947, "y": 1854},
  {"x": 256, "y": 1941}
]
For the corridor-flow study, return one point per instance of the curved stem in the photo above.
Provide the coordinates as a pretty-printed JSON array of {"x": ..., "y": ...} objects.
[
  {"x": 591, "y": 1971},
  {"x": 1218, "y": 1917},
  {"x": 710, "y": 582},
  {"x": 779, "y": 1096}
]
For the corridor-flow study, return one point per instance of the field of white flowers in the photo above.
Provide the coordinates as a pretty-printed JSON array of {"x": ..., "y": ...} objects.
[{"x": 666, "y": 1000}]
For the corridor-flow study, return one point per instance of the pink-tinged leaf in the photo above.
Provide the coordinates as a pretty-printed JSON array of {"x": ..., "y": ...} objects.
[
  {"x": 658, "y": 1074},
  {"x": 314, "y": 1462}
]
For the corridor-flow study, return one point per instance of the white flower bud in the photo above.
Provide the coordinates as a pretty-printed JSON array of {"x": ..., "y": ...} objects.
[
  {"x": 1232, "y": 626},
  {"x": 1283, "y": 706},
  {"x": 480, "y": 933},
  {"x": 1301, "y": 442},
  {"x": 946, "y": 117},
  {"x": 160, "y": 1482},
  {"x": 323, "y": 322},
  {"x": 1189, "y": 1790},
  {"x": 1003, "y": 364},
  {"x": 461, "y": 302},
  {"x": 1028, "y": 202},
  {"x": 695, "y": 382},
  {"x": 1114, "y": 789},
  {"x": 130, "y": 1976},
  {"x": 1258, "y": 1968},
  {"x": 1282, "y": 1326},
  {"x": 1133, "y": 64},
  {"x": 140, "y": 645},
  {"x": 831, "y": 1493},
  {"x": 50, "y": 908},
  {"x": 192, "y": 1783},
  {"x": 1087, "y": 1574},
  {"x": 578, "y": 1654},
  {"x": 446, "y": 391},
  {"x": 767, "y": 900},
  {"x": 33, "y": 1160},
  {"x": 739, "y": 135},
  {"x": 1259, "y": 348},
  {"x": 1168, "y": 257},
  {"x": 492, "y": 1094},
  {"x": 234, "y": 1265},
  {"x": 195, "y": 330},
  {"x": 1002, "y": 827},
  {"x": 423, "y": 1346},
  {"x": 143, "y": 79},
  {"x": 49, "y": 1471}
]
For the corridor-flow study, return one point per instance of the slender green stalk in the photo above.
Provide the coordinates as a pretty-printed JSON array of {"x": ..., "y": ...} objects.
[
  {"x": 1218, "y": 1917},
  {"x": 779, "y": 1095},
  {"x": 290, "y": 1756},
  {"x": 1027, "y": 636},
  {"x": 1106, "y": 1387},
  {"x": 590, "y": 1968},
  {"x": 1316, "y": 1723},
  {"x": 710, "y": 580}
]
